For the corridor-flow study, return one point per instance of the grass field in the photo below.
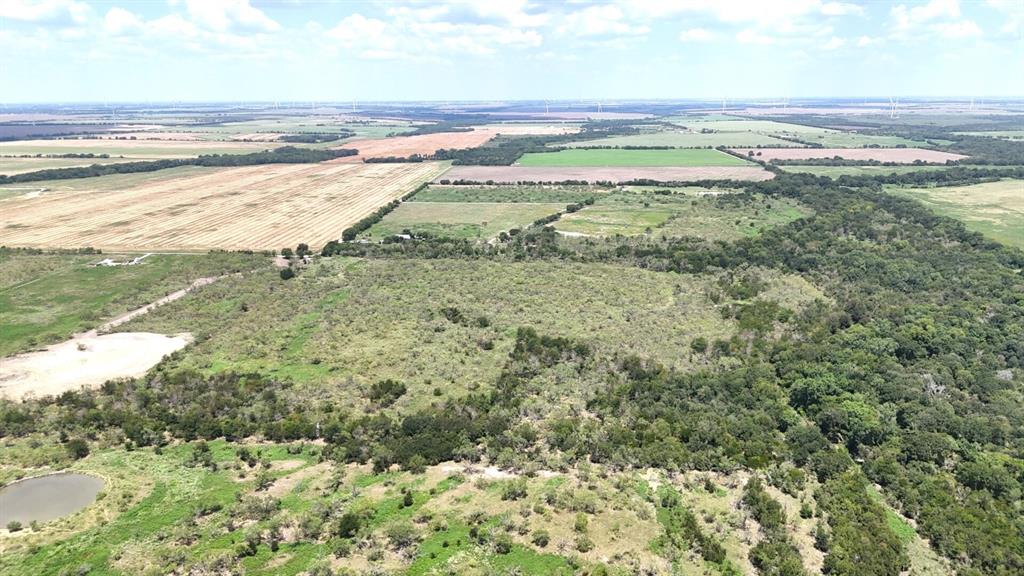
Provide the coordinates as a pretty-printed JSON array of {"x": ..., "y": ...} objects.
[
  {"x": 744, "y": 125},
  {"x": 133, "y": 149},
  {"x": 46, "y": 298},
  {"x": 603, "y": 158},
  {"x": 345, "y": 324},
  {"x": 1014, "y": 135},
  {"x": 471, "y": 220},
  {"x": 709, "y": 217},
  {"x": 251, "y": 207},
  {"x": 109, "y": 183},
  {"x": 996, "y": 209},
  {"x": 10, "y": 165},
  {"x": 837, "y": 171},
  {"x": 499, "y": 193},
  {"x": 853, "y": 140},
  {"x": 681, "y": 139}
]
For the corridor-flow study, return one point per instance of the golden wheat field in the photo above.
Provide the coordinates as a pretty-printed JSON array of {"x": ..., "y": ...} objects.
[{"x": 252, "y": 207}]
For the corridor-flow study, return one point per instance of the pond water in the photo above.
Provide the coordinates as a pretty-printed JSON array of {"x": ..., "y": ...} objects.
[{"x": 47, "y": 497}]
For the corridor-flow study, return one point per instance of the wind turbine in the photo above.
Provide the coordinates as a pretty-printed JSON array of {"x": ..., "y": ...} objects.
[
  {"x": 598, "y": 106},
  {"x": 723, "y": 105},
  {"x": 972, "y": 104},
  {"x": 547, "y": 108}
]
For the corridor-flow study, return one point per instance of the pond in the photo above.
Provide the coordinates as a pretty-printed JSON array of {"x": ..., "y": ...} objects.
[{"x": 47, "y": 497}]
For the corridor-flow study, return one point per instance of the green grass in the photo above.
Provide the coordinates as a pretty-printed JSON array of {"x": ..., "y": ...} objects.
[
  {"x": 714, "y": 218},
  {"x": 501, "y": 193},
  {"x": 142, "y": 150},
  {"x": 390, "y": 323},
  {"x": 47, "y": 298},
  {"x": 609, "y": 220},
  {"x": 681, "y": 139},
  {"x": 1014, "y": 135},
  {"x": 995, "y": 209},
  {"x": 694, "y": 157},
  {"x": 13, "y": 165},
  {"x": 744, "y": 125},
  {"x": 470, "y": 220},
  {"x": 852, "y": 140},
  {"x": 837, "y": 171}
]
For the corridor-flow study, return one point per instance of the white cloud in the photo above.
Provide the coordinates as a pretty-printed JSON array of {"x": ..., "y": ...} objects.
[
  {"x": 1012, "y": 12},
  {"x": 603, "y": 20},
  {"x": 41, "y": 11},
  {"x": 841, "y": 9},
  {"x": 120, "y": 21},
  {"x": 751, "y": 36},
  {"x": 696, "y": 35},
  {"x": 223, "y": 15},
  {"x": 834, "y": 43},
  {"x": 406, "y": 36},
  {"x": 957, "y": 30},
  {"x": 906, "y": 18},
  {"x": 865, "y": 41}
]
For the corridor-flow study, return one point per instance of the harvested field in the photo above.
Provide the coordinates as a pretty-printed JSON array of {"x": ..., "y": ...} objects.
[
  {"x": 252, "y": 207},
  {"x": 899, "y": 155},
  {"x": 423, "y": 144},
  {"x": 85, "y": 361},
  {"x": 604, "y": 157},
  {"x": 512, "y": 174},
  {"x": 136, "y": 149},
  {"x": 519, "y": 129}
]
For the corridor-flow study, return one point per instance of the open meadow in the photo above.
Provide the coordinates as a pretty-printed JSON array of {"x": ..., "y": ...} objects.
[
  {"x": 691, "y": 139},
  {"x": 10, "y": 165},
  {"x": 897, "y": 155},
  {"x": 629, "y": 158},
  {"x": 47, "y": 298},
  {"x": 252, "y": 207},
  {"x": 469, "y": 220},
  {"x": 517, "y": 174},
  {"x": 996, "y": 209},
  {"x": 133, "y": 149}
]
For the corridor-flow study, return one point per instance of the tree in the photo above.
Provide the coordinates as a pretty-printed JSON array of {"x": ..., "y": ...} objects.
[
  {"x": 287, "y": 273},
  {"x": 77, "y": 448}
]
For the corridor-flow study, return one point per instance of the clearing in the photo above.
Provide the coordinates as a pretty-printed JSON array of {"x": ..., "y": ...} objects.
[
  {"x": 45, "y": 298},
  {"x": 11, "y": 165},
  {"x": 499, "y": 193},
  {"x": 996, "y": 209},
  {"x": 85, "y": 361},
  {"x": 422, "y": 144},
  {"x": 514, "y": 174},
  {"x": 251, "y": 207},
  {"x": 837, "y": 171},
  {"x": 898, "y": 155},
  {"x": 472, "y": 220},
  {"x": 613, "y": 158},
  {"x": 132, "y": 149},
  {"x": 684, "y": 139}
]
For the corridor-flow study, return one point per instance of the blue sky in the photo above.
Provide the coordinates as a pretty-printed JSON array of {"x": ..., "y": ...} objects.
[{"x": 202, "y": 50}]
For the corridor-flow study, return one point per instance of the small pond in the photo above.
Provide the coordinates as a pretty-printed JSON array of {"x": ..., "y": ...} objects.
[{"x": 47, "y": 498}]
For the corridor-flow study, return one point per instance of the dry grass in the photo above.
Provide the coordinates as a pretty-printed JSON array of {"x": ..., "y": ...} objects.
[
  {"x": 252, "y": 207},
  {"x": 898, "y": 155}
]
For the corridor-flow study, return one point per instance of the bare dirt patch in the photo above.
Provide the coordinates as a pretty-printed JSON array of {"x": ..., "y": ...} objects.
[
  {"x": 899, "y": 155},
  {"x": 85, "y": 361},
  {"x": 423, "y": 144},
  {"x": 512, "y": 174},
  {"x": 521, "y": 129},
  {"x": 250, "y": 207}
]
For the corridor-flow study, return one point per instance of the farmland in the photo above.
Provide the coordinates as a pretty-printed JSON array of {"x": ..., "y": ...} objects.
[
  {"x": 133, "y": 149},
  {"x": 897, "y": 155},
  {"x": 542, "y": 194},
  {"x": 723, "y": 217},
  {"x": 996, "y": 209},
  {"x": 837, "y": 171},
  {"x": 250, "y": 207},
  {"x": 423, "y": 144},
  {"x": 519, "y": 173},
  {"x": 10, "y": 165},
  {"x": 547, "y": 356},
  {"x": 682, "y": 139},
  {"x": 472, "y": 220},
  {"x": 629, "y": 158}
]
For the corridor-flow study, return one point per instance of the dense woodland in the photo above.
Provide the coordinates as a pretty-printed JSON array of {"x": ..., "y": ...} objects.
[{"x": 911, "y": 381}]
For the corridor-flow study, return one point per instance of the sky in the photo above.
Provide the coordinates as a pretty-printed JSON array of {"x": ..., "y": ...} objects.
[{"x": 334, "y": 51}]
